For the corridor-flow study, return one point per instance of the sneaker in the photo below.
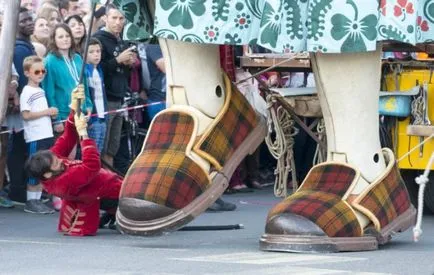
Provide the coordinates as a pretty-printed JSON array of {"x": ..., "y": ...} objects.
[
  {"x": 37, "y": 207},
  {"x": 5, "y": 201}
]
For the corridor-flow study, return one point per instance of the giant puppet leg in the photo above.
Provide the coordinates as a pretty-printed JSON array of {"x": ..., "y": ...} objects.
[
  {"x": 355, "y": 200},
  {"x": 192, "y": 148}
]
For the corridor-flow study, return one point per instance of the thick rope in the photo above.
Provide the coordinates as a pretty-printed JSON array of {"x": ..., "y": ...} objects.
[
  {"x": 418, "y": 110},
  {"x": 281, "y": 148}
]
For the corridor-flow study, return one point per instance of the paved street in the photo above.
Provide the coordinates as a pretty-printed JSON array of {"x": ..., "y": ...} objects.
[{"x": 29, "y": 244}]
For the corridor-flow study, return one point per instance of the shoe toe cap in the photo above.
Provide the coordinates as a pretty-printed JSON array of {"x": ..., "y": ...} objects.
[
  {"x": 141, "y": 210},
  {"x": 292, "y": 224}
]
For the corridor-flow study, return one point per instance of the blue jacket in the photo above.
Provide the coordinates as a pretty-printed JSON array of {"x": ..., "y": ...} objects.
[
  {"x": 22, "y": 50},
  {"x": 88, "y": 74},
  {"x": 58, "y": 84}
]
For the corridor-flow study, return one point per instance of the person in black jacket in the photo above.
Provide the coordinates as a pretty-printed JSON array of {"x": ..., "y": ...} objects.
[{"x": 116, "y": 60}]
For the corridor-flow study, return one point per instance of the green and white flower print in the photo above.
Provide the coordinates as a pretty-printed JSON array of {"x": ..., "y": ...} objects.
[{"x": 330, "y": 26}]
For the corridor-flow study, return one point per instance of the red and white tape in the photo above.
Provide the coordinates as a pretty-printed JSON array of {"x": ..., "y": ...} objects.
[{"x": 105, "y": 113}]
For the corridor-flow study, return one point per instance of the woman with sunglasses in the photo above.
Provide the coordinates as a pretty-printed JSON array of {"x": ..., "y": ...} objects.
[{"x": 63, "y": 66}]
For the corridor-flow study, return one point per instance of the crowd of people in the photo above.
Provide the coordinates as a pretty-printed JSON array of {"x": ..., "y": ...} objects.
[{"x": 47, "y": 66}]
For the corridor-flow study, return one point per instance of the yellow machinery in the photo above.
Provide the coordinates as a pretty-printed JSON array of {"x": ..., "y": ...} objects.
[
  {"x": 418, "y": 159},
  {"x": 414, "y": 163}
]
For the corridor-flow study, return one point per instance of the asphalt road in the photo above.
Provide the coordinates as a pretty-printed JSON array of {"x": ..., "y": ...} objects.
[{"x": 29, "y": 244}]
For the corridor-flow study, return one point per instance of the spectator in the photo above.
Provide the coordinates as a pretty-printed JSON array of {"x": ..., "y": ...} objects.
[
  {"x": 99, "y": 19},
  {"x": 157, "y": 71},
  {"x": 40, "y": 36},
  {"x": 68, "y": 8},
  {"x": 27, "y": 4},
  {"x": 78, "y": 32},
  {"x": 12, "y": 104},
  {"x": 17, "y": 152},
  {"x": 50, "y": 14},
  {"x": 48, "y": 3},
  {"x": 116, "y": 61},
  {"x": 63, "y": 67},
  {"x": 85, "y": 6},
  {"x": 95, "y": 80},
  {"x": 38, "y": 131}
]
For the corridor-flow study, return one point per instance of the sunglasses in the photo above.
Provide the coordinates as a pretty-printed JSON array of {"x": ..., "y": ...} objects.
[{"x": 38, "y": 72}]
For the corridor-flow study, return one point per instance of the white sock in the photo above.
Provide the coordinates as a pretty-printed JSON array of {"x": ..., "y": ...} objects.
[
  {"x": 32, "y": 195},
  {"x": 38, "y": 195}
]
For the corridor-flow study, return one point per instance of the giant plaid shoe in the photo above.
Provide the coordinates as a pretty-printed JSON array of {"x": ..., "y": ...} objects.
[
  {"x": 184, "y": 167},
  {"x": 336, "y": 210}
]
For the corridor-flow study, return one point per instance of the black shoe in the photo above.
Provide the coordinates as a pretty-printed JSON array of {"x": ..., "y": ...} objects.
[
  {"x": 221, "y": 205},
  {"x": 17, "y": 200}
]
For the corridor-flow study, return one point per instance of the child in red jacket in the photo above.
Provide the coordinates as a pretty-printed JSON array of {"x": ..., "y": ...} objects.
[{"x": 82, "y": 184}]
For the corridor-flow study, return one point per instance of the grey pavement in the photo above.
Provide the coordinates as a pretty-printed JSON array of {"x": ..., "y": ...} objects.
[{"x": 29, "y": 244}]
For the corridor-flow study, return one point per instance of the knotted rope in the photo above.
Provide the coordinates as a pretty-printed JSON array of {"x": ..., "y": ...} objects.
[
  {"x": 281, "y": 147},
  {"x": 422, "y": 180}
]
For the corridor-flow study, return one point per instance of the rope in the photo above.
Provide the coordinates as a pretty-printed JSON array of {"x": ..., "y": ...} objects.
[
  {"x": 281, "y": 148},
  {"x": 418, "y": 109},
  {"x": 319, "y": 155},
  {"x": 415, "y": 147},
  {"x": 422, "y": 180}
]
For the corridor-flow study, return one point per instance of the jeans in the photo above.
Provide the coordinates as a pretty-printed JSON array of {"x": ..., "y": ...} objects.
[{"x": 97, "y": 131}]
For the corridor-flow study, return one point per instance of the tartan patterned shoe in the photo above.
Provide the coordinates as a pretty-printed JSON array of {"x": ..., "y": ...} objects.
[
  {"x": 184, "y": 167},
  {"x": 335, "y": 209}
]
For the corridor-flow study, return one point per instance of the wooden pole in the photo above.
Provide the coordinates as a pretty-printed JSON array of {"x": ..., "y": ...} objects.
[
  {"x": 7, "y": 45},
  {"x": 86, "y": 47}
]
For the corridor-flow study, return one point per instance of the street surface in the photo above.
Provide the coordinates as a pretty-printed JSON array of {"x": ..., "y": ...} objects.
[{"x": 29, "y": 244}]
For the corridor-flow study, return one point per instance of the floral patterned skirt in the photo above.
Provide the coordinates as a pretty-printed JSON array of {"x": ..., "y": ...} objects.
[{"x": 331, "y": 26}]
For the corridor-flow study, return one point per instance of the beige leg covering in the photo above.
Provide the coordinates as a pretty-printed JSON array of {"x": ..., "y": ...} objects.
[
  {"x": 348, "y": 88},
  {"x": 193, "y": 76}
]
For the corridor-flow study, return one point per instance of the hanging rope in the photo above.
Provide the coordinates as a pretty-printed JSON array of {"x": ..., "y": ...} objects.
[
  {"x": 419, "y": 111},
  {"x": 422, "y": 180},
  {"x": 320, "y": 154},
  {"x": 281, "y": 125}
]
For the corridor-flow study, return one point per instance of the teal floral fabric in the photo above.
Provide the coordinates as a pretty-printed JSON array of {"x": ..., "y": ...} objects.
[
  {"x": 139, "y": 22},
  {"x": 331, "y": 26}
]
